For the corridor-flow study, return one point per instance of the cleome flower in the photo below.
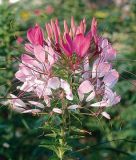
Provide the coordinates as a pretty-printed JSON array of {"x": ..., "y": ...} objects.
[{"x": 70, "y": 66}]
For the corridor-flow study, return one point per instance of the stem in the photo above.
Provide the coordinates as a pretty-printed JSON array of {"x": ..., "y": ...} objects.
[{"x": 62, "y": 140}]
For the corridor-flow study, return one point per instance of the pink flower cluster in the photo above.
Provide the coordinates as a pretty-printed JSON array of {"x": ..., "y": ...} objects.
[{"x": 74, "y": 66}]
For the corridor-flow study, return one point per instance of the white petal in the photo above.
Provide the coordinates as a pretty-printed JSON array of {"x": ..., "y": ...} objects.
[
  {"x": 81, "y": 96},
  {"x": 27, "y": 86},
  {"x": 99, "y": 104},
  {"x": 48, "y": 92},
  {"x": 54, "y": 83},
  {"x": 65, "y": 85},
  {"x": 75, "y": 106},
  {"x": 17, "y": 109},
  {"x": 40, "y": 105},
  {"x": 57, "y": 110},
  {"x": 106, "y": 115},
  {"x": 16, "y": 101},
  {"x": 47, "y": 101},
  {"x": 69, "y": 96},
  {"x": 90, "y": 97},
  {"x": 32, "y": 111},
  {"x": 95, "y": 65},
  {"x": 116, "y": 100}
]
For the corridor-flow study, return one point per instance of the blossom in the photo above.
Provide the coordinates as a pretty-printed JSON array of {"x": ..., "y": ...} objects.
[
  {"x": 73, "y": 39},
  {"x": 35, "y": 35},
  {"x": 19, "y": 40},
  {"x": 71, "y": 66}
]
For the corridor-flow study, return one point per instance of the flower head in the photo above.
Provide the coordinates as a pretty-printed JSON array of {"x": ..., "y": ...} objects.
[{"x": 72, "y": 66}]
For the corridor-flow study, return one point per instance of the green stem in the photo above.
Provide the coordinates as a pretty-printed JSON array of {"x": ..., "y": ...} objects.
[{"x": 62, "y": 140}]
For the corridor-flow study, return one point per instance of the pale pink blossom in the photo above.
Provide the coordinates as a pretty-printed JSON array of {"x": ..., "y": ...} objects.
[{"x": 72, "y": 65}]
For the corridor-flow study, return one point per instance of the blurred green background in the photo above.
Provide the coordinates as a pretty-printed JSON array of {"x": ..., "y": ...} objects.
[{"x": 20, "y": 135}]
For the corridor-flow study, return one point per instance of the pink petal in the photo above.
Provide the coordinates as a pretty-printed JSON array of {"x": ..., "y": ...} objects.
[
  {"x": 105, "y": 44},
  {"x": 54, "y": 83},
  {"x": 30, "y": 35},
  {"x": 39, "y": 53},
  {"x": 81, "y": 27},
  {"x": 81, "y": 44},
  {"x": 116, "y": 100},
  {"x": 73, "y": 26},
  {"x": 26, "y": 59},
  {"x": 35, "y": 35},
  {"x": 85, "y": 87},
  {"x": 27, "y": 86},
  {"x": 29, "y": 62},
  {"x": 111, "y": 78},
  {"x": 66, "y": 49},
  {"x": 94, "y": 30},
  {"x": 29, "y": 47},
  {"x": 69, "y": 42},
  {"x": 55, "y": 31},
  {"x": 85, "y": 46},
  {"x": 100, "y": 69},
  {"x": 111, "y": 54},
  {"x": 58, "y": 28},
  {"x": 66, "y": 29},
  {"x": 77, "y": 43},
  {"x": 68, "y": 46},
  {"x": 86, "y": 67},
  {"x": 52, "y": 56},
  {"x": 48, "y": 31},
  {"x": 21, "y": 76},
  {"x": 39, "y": 39}
]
